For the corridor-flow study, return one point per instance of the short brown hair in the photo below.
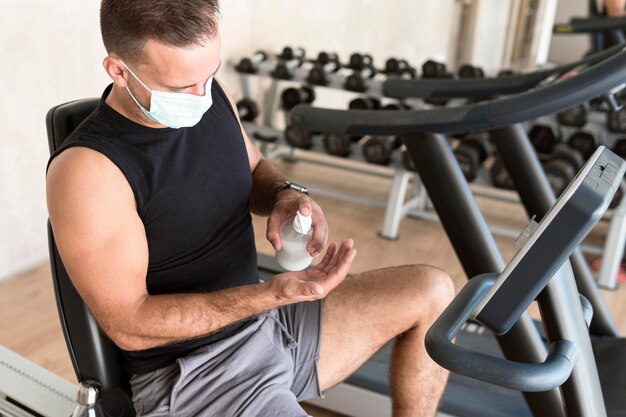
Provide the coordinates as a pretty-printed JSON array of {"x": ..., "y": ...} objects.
[{"x": 127, "y": 24}]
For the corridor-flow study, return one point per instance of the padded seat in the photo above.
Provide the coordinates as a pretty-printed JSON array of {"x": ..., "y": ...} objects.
[{"x": 94, "y": 356}]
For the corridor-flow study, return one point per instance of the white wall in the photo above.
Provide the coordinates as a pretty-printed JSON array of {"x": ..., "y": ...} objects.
[
  {"x": 568, "y": 48},
  {"x": 492, "y": 21},
  {"x": 51, "y": 53}
]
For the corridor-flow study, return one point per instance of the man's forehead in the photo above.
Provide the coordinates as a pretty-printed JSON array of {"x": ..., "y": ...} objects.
[{"x": 175, "y": 66}]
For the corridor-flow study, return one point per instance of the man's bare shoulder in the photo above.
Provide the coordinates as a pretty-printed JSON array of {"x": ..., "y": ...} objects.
[
  {"x": 81, "y": 173},
  {"x": 79, "y": 160}
]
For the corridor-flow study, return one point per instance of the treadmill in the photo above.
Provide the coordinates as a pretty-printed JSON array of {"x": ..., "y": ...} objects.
[
  {"x": 497, "y": 300},
  {"x": 422, "y": 132}
]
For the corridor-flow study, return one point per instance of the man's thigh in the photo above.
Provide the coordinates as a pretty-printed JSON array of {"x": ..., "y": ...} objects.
[
  {"x": 369, "y": 309},
  {"x": 246, "y": 375}
]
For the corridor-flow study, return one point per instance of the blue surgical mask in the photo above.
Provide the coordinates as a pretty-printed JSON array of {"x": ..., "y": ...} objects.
[{"x": 175, "y": 110}]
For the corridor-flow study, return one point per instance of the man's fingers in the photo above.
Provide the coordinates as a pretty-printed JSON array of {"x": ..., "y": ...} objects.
[
  {"x": 339, "y": 273},
  {"x": 346, "y": 262},
  {"x": 317, "y": 243},
  {"x": 273, "y": 232},
  {"x": 346, "y": 245},
  {"x": 328, "y": 257},
  {"x": 304, "y": 206},
  {"x": 342, "y": 261}
]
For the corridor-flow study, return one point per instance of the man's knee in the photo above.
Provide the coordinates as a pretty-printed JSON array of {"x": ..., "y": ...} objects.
[
  {"x": 432, "y": 286},
  {"x": 439, "y": 284}
]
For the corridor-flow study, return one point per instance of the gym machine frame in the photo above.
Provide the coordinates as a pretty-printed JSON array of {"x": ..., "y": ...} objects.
[
  {"x": 419, "y": 205},
  {"x": 474, "y": 245}
]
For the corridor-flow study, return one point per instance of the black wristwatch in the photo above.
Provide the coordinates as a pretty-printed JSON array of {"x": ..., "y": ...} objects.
[{"x": 288, "y": 184}]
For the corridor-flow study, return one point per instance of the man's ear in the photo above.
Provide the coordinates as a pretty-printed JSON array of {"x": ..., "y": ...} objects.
[{"x": 118, "y": 73}]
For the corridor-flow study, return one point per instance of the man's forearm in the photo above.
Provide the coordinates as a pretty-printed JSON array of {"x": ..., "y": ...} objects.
[
  {"x": 266, "y": 180},
  {"x": 162, "y": 319}
]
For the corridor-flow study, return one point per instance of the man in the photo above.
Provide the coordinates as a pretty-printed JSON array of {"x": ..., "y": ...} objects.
[
  {"x": 150, "y": 203},
  {"x": 615, "y": 8}
]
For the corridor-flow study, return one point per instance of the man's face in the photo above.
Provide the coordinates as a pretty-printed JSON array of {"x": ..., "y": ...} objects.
[{"x": 177, "y": 70}]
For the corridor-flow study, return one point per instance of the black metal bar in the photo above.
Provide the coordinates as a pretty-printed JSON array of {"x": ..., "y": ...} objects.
[
  {"x": 537, "y": 197},
  {"x": 590, "y": 25},
  {"x": 559, "y": 302},
  {"x": 475, "y": 248},
  {"x": 551, "y": 373}
]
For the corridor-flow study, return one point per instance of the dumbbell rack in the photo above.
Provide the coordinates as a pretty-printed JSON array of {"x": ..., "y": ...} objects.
[
  {"x": 418, "y": 206},
  {"x": 395, "y": 207}
]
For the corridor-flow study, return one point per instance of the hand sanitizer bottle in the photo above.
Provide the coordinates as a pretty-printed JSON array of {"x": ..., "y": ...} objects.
[{"x": 295, "y": 235}]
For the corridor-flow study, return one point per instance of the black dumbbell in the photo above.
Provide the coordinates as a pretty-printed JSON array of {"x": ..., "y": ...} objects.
[
  {"x": 248, "y": 109},
  {"x": 561, "y": 166},
  {"x": 284, "y": 70},
  {"x": 318, "y": 73},
  {"x": 500, "y": 175},
  {"x": 289, "y": 54},
  {"x": 251, "y": 65},
  {"x": 337, "y": 144},
  {"x": 620, "y": 148},
  {"x": 584, "y": 142},
  {"x": 326, "y": 64},
  {"x": 324, "y": 58},
  {"x": 359, "y": 61},
  {"x": 472, "y": 152},
  {"x": 544, "y": 137},
  {"x": 298, "y": 137},
  {"x": 291, "y": 97},
  {"x": 574, "y": 116},
  {"x": 616, "y": 121},
  {"x": 365, "y": 103},
  {"x": 401, "y": 68},
  {"x": 377, "y": 149},
  {"x": 356, "y": 80},
  {"x": 434, "y": 69},
  {"x": 470, "y": 71}
]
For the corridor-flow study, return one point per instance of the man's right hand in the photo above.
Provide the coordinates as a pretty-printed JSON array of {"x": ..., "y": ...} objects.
[{"x": 317, "y": 282}]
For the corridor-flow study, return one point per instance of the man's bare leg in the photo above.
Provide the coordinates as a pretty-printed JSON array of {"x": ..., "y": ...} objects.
[{"x": 368, "y": 310}]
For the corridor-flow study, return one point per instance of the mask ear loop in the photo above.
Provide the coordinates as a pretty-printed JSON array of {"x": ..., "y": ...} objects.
[
  {"x": 142, "y": 108},
  {"x": 133, "y": 74}
]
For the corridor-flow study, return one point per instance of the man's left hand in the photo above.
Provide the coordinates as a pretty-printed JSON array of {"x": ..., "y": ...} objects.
[{"x": 288, "y": 202}]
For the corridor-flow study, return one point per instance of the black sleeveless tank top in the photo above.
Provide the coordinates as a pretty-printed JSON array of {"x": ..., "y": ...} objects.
[{"x": 192, "y": 187}]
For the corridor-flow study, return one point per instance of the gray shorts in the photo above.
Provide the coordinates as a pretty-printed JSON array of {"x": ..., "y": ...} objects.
[{"x": 264, "y": 370}]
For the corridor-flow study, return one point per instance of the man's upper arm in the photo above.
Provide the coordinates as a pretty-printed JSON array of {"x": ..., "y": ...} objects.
[
  {"x": 254, "y": 155},
  {"x": 100, "y": 237}
]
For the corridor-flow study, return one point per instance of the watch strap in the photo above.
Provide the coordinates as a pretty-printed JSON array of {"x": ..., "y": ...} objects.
[{"x": 291, "y": 185}]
